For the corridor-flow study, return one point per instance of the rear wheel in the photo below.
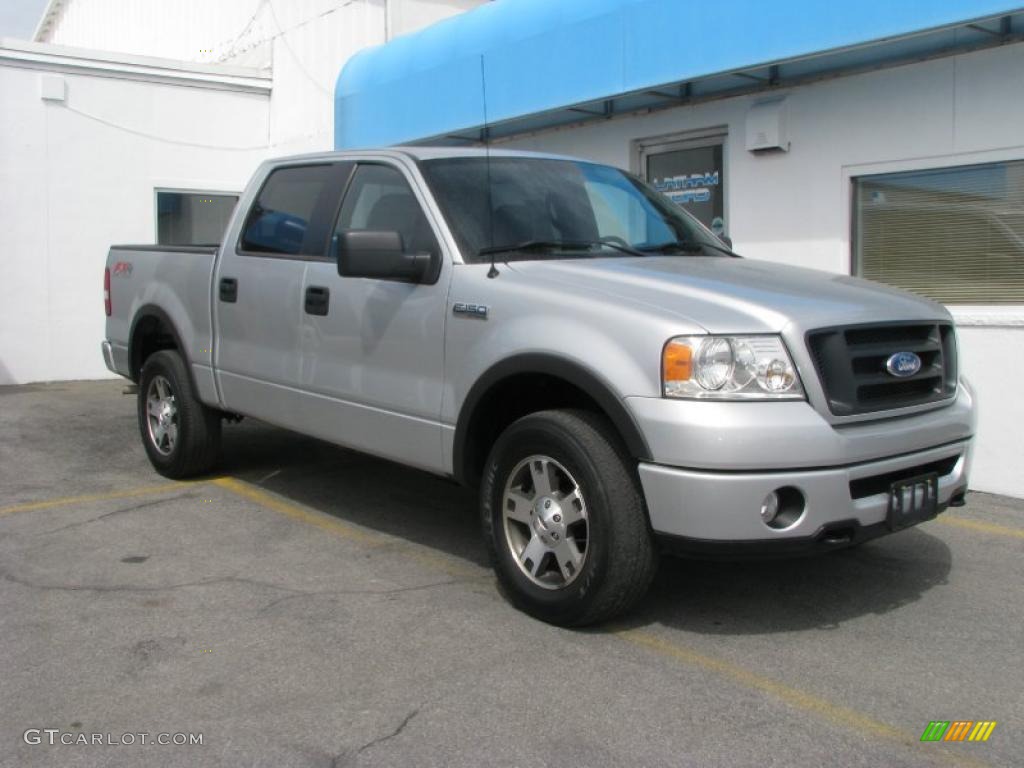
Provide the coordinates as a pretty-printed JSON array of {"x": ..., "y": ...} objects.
[
  {"x": 564, "y": 519},
  {"x": 180, "y": 434}
]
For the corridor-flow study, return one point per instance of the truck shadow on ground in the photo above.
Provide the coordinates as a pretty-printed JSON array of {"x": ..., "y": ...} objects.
[
  {"x": 374, "y": 493},
  {"x": 708, "y": 597},
  {"x": 817, "y": 592}
]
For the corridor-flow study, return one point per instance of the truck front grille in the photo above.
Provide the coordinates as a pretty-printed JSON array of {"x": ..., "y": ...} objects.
[{"x": 851, "y": 363}]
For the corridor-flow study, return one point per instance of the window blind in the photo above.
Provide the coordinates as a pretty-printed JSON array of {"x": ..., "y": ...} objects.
[{"x": 955, "y": 235}]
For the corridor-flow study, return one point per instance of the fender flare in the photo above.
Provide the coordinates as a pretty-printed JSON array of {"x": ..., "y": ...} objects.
[
  {"x": 596, "y": 387},
  {"x": 145, "y": 312}
]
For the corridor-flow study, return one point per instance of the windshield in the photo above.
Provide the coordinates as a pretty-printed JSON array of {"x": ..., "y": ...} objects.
[{"x": 534, "y": 208}]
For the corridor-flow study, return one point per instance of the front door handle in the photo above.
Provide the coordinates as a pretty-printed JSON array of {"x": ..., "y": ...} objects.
[
  {"x": 318, "y": 300},
  {"x": 228, "y": 290}
]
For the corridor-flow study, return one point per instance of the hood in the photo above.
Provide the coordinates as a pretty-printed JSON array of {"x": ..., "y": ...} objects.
[{"x": 728, "y": 295}]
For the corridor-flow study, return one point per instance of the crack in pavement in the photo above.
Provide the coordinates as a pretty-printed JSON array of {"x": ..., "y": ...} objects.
[
  {"x": 389, "y": 591},
  {"x": 294, "y": 592},
  {"x": 123, "y": 510},
  {"x": 393, "y": 734},
  {"x": 137, "y": 588}
]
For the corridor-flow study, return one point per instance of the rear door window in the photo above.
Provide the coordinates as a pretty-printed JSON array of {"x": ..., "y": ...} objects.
[{"x": 281, "y": 219}]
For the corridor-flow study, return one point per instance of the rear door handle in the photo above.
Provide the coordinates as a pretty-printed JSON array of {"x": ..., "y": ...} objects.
[
  {"x": 228, "y": 290},
  {"x": 318, "y": 300}
]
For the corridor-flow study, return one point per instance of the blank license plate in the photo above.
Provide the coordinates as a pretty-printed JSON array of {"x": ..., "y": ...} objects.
[{"x": 913, "y": 500}]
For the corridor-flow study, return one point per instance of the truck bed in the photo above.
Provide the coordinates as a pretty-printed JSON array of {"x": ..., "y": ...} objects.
[
  {"x": 210, "y": 250},
  {"x": 169, "y": 282}
]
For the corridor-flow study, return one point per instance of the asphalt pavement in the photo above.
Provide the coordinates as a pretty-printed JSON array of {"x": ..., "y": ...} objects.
[{"x": 309, "y": 606}]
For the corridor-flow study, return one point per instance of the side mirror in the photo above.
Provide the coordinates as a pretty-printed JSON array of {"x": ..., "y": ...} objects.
[
  {"x": 727, "y": 240},
  {"x": 381, "y": 255}
]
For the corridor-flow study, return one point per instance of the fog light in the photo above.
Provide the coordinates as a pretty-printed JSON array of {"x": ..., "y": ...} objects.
[{"x": 770, "y": 507}]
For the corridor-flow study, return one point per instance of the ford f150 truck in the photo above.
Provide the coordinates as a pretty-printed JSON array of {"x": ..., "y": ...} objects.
[{"x": 615, "y": 380}]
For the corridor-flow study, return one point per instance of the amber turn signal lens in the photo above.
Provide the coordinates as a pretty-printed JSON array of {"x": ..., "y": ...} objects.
[{"x": 677, "y": 362}]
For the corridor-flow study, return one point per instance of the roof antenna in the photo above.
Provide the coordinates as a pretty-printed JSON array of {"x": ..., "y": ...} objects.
[{"x": 485, "y": 134}]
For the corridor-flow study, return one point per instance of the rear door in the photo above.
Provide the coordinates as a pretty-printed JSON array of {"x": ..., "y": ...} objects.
[
  {"x": 258, "y": 290},
  {"x": 375, "y": 348}
]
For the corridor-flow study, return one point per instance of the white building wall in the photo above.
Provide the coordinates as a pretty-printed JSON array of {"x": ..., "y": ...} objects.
[
  {"x": 304, "y": 42},
  {"x": 405, "y": 16},
  {"x": 309, "y": 50},
  {"x": 310, "y": 41},
  {"x": 795, "y": 207},
  {"x": 79, "y": 176},
  {"x": 186, "y": 30},
  {"x": 70, "y": 185}
]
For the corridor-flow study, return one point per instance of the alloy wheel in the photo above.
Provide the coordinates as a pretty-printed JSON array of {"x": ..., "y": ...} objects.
[
  {"x": 162, "y": 415},
  {"x": 546, "y": 522}
]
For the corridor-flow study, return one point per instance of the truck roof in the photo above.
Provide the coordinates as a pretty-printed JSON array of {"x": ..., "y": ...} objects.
[{"x": 421, "y": 153}]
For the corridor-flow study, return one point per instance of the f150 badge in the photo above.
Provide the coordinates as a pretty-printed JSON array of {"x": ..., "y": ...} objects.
[{"x": 470, "y": 310}]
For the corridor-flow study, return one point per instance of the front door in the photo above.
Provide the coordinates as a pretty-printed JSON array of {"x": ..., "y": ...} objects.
[{"x": 376, "y": 350}]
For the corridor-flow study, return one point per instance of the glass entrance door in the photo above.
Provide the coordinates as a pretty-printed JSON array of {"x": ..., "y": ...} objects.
[{"x": 691, "y": 173}]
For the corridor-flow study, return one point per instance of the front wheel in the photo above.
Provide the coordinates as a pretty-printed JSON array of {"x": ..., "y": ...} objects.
[
  {"x": 181, "y": 435},
  {"x": 564, "y": 519}
]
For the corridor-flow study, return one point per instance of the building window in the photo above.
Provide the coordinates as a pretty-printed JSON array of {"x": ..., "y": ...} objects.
[
  {"x": 691, "y": 173},
  {"x": 192, "y": 218},
  {"x": 955, "y": 235}
]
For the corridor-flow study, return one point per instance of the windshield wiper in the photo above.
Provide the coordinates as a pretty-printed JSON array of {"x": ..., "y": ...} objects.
[
  {"x": 565, "y": 245},
  {"x": 685, "y": 246}
]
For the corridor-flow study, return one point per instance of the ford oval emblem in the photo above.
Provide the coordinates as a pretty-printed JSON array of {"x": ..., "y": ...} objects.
[{"x": 903, "y": 364}]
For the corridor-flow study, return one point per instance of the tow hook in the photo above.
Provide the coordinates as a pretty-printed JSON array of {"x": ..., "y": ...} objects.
[{"x": 837, "y": 538}]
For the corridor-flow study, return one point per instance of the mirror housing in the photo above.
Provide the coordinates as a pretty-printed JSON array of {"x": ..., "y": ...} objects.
[{"x": 381, "y": 255}]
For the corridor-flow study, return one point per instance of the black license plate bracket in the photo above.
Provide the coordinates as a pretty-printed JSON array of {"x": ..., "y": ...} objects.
[{"x": 913, "y": 500}]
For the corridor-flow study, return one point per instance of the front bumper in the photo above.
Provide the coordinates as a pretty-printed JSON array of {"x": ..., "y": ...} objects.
[
  {"x": 719, "y": 511},
  {"x": 761, "y": 436}
]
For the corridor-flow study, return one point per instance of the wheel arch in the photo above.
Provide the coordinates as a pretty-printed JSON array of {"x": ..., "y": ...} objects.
[
  {"x": 477, "y": 426},
  {"x": 152, "y": 330}
]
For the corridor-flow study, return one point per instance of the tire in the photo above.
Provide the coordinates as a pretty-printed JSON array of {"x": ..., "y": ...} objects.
[
  {"x": 605, "y": 520},
  {"x": 187, "y": 441}
]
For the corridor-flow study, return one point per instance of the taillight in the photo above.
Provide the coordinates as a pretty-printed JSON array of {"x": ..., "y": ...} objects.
[{"x": 106, "y": 291}]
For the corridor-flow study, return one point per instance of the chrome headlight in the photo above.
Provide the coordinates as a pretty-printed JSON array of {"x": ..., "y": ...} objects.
[{"x": 729, "y": 368}]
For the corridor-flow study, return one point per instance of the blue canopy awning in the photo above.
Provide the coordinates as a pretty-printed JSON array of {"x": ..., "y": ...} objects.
[{"x": 518, "y": 65}]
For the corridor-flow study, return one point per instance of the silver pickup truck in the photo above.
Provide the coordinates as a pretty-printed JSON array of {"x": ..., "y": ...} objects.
[{"x": 610, "y": 375}]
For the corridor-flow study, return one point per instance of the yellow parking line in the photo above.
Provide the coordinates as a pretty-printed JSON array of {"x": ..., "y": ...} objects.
[
  {"x": 147, "y": 490},
  {"x": 326, "y": 522},
  {"x": 806, "y": 702},
  {"x": 982, "y": 527},
  {"x": 295, "y": 512},
  {"x": 822, "y": 708}
]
